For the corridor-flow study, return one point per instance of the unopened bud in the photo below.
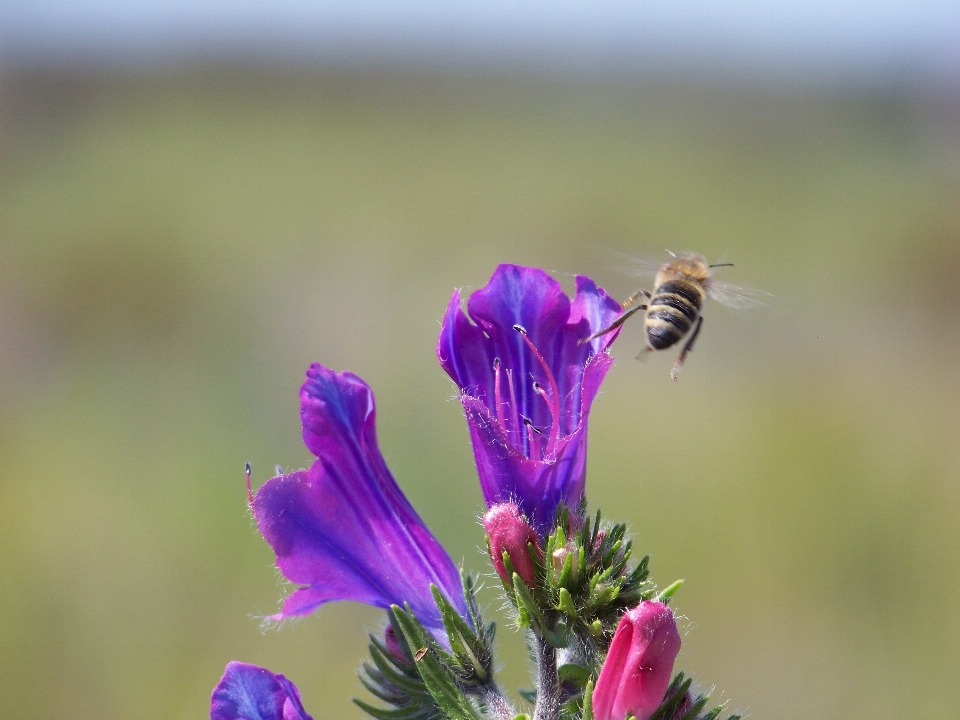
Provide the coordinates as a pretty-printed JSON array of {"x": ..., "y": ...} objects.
[
  {"x": 393, "y": 645},
  {"x": 559, "y": 559},
  {"x": 639, "y": 664},
  {"x": 508, "y": 532}
]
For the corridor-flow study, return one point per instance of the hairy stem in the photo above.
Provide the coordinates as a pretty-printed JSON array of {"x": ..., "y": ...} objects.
[
  {"x": 496, "y": 703},
  {"x": 548, "y": 684}
]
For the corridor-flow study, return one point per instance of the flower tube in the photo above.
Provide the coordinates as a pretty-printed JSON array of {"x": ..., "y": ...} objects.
[
  {"x": 527, "y": 377},
  {"x": 342, "y": 528}
]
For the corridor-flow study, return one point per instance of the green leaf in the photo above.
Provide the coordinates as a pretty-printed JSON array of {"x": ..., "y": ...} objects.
[{"x": 571, "y": 672}]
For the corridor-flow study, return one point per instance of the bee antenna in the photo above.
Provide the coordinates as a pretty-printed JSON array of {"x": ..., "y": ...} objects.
[{"x": 721, "y": 265}]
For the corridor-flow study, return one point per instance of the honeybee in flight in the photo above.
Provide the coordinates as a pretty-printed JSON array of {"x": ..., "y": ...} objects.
[{"x": 680, "y": 288}]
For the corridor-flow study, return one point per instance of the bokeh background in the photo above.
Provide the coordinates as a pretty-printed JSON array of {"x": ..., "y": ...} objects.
[{"x": 198, "y": 200}]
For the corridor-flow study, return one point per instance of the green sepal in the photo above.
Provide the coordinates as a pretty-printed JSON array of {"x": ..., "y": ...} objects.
[
  {"x": 669, "y": 591},
  {"x": 466, "y": 646},
  {"x": 522, "y": 716},
  {"x": 529, "y": 695},
  {"x": 567, "y": 572},
  {"x": 530, "y": 613},
  {"x": 588, "y": 691},
  {"x": 673, "y": 697},
  {"x": 566, "y": 603}
]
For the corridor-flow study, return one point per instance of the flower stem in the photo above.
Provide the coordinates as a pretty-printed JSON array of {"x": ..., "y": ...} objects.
[
  {"x": 496, "y": 703},
  {"x": 548, "y": 684}
]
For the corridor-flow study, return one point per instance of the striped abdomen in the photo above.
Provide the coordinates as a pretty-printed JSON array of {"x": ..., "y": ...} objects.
[{"x": 672, "y": 310}]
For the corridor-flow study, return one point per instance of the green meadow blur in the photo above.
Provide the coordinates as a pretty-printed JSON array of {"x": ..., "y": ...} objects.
[{"x": 177, "y": 246}]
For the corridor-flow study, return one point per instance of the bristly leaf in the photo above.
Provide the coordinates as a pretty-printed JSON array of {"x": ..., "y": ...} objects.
[
  {"x": 396, "y": 681},
  {"x": 435, "y": 673}
]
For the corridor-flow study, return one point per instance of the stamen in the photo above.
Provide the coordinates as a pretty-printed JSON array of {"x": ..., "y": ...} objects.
[
  {"x": 532, "y": 440},
  {"x": 248, "y": 471},
  {"x": 496, "y": 392},
  {"x": 513, "y": 408},
  {"x": 554, "y": 405}
]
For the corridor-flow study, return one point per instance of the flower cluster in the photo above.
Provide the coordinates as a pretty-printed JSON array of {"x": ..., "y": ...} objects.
[{"x": 603, "y": 638}]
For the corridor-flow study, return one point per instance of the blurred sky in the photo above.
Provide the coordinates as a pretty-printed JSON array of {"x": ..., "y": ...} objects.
[{"x": 916, "y": 36}]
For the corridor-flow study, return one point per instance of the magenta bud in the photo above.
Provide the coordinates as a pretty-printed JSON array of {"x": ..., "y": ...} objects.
[
  {"x": 393, "y": 645},
  {"x": 639, "y": 664},
  {"x": 508, "y": 532}
]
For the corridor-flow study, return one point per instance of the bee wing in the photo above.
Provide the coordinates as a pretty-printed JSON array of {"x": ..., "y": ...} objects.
[
  {"x": 738, "y": 297},
  {"x": 637, "y": 265}
]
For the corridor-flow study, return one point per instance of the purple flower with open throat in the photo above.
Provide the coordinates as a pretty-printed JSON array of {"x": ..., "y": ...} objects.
[
  {"x": 343, "y": 528},
  {"x": 526, "y": 382}
]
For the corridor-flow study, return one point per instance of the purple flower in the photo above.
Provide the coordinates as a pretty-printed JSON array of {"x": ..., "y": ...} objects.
[
  {"x": 343, "y": 528},
  {"x": 248, "y": 692},
  {"x": 636, "y": 673},
  {"x": 527, "y": 383}
]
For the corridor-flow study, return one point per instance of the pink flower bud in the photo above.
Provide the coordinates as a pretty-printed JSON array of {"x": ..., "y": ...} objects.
[
  {"x": 393, "y": 645},
  {"x": 637, "y": 671},
  {"x": 508, "y": 532}
]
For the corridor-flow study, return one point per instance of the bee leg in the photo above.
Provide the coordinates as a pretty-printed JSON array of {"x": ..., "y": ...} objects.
[
  {"x": 678, "y": 363},
  {"x": 614, "y": 325},
  {"x": 633, "y": 298}
]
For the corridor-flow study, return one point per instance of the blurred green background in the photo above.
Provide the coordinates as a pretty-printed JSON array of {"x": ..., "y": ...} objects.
[{"x": 178, "y": 244}]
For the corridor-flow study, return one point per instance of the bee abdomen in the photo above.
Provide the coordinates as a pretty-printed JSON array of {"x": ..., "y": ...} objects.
[
  {"x": 677, "y": 302},
  {"x": 665, "y": 327},
  {"x": 672, "y": 310},
  {"x": 693, "y": 294}
]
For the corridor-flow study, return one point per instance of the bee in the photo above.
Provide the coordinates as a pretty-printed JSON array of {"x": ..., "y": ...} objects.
[{"x": 680, "y": 289}]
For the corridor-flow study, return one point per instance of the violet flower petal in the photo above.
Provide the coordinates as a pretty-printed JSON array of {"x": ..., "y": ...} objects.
[
  {"x": 249, "y": 692},
  {"x": 343, "y": 528},
  {"x": 541, "y": 463}
]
